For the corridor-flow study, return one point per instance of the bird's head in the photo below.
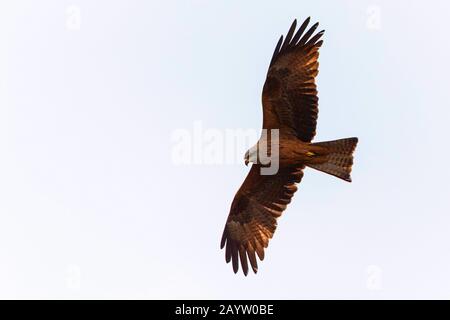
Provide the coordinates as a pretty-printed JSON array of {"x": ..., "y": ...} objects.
[
  {"x": 247, "y": 158},
  {"x": 251, "y": 156}
]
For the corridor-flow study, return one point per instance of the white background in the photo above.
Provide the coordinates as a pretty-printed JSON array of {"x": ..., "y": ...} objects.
[{"x": 93, "y": 206}]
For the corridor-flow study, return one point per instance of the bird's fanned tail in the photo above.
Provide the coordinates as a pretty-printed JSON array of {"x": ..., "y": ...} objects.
[{"x": 339, "y": 159}]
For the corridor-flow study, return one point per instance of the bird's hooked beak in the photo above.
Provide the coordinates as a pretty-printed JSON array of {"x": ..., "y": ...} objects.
[{"x": 246, "y": 158}]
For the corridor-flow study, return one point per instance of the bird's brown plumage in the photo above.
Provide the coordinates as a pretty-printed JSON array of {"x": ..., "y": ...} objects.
[
  {"x": 255, "y": 208},
  {"x": 290, "y": 104},
  {"x": 289, "y": 98}
]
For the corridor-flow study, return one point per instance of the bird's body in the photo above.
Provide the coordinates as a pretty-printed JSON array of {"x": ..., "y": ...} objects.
[
  {"x": 290, "y": 108},
  {"x": 291, "y": 151}
]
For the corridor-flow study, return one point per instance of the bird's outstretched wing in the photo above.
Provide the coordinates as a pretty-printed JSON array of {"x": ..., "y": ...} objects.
[
  {"x": 289, "y": 98},
  {"x": 255, "y": 208}
]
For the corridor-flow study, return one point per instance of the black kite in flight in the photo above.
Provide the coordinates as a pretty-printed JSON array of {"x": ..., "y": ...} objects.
[{"x": 290, "y": 104}]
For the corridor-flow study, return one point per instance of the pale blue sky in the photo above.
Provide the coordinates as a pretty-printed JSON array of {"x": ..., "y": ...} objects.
[{"x": 92, "y": 206}]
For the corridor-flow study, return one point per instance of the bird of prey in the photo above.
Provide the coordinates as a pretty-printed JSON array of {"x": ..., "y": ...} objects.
[{"x": 290, "y": 105}]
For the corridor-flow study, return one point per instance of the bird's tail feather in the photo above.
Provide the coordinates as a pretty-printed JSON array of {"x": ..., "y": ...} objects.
[{"x": 339, "y": 158}]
